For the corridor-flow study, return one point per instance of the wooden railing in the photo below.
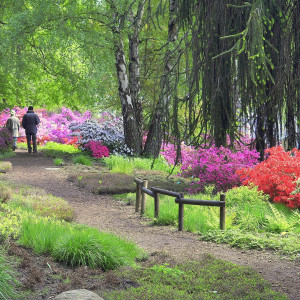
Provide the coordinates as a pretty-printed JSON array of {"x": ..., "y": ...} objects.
[{"x": 142, "y": 190}]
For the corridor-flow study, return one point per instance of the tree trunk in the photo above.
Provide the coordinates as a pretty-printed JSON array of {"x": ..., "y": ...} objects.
[
  {"x": 154, "y": 137},
  {"x": 134, "y": 72},
  {"x": 131, "y": 131}
]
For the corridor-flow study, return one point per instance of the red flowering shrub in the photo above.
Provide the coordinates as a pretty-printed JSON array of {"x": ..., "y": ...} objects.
[
  {"x": 276, "y": 176},
  {"x": 71, "y": 141},
  {"x": 98, "y": 150}
]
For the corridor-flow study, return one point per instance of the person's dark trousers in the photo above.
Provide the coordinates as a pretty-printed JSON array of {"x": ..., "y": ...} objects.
[{"x": 31, "y": 137}]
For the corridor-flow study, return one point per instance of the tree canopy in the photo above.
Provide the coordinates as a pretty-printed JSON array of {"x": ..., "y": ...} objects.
[{"x": 189, "y": 70}]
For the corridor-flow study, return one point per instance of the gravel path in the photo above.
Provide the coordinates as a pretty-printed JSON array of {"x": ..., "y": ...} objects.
[{"x": 108, "y": 215}]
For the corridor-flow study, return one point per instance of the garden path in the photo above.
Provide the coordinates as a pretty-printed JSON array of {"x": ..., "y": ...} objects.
[{"x": 116, "y": 217}]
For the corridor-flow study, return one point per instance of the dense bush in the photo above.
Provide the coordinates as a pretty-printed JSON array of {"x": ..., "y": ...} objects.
[
  {"x": 276, "y": 176},
  {"x": 216, "y": 166},
  {"x": 97, "y": 149},
  {"x": 109, "y": 133}
]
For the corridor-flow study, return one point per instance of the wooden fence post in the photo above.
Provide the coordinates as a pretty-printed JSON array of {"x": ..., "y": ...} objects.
[
  {"x": 222, "y": 212},
  {"x": 156, "y": 204},
  {"x": 138, "y": 197},
  {"x": 180, "y": 214},
  {"x": 144, "y": 195}
]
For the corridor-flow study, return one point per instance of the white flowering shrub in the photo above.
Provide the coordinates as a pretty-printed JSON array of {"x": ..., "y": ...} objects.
[{"x": 109, "y": 133}]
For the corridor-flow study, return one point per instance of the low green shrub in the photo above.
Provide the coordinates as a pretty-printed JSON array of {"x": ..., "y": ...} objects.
[
  {"x": 46, "y": 205},
  {"x": 207, "y": 279},
  {"x": 54, "y": 149},
  {"x": 286, "y": 244}
]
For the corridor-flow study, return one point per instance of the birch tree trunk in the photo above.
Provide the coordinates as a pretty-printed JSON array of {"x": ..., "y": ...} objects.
[
  {"x": 131, "y": 131},
  {"x": 134, "y": 72}
]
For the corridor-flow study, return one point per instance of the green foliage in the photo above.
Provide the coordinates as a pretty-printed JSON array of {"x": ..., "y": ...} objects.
[
  {"x": 82, "y": 160},
  {"x": 5, "y": 192},
  {"x": 77, "y": 245},
  {"x": 285, "y": 243},
  {"x": 250, "y": 210},
  {"x": 46, "y": 205},
  {"x": 7, "y": 154},
  {"x": 54, "y": 149},
  {"x": 12, "y": 219},
  {"x": 58, "y": 162},
  {"x": 7, "y": 279},
  {"x": 128, "y": 165},
  {"x": 196, "y": 218},
  {"x": 195, "y": 280}
]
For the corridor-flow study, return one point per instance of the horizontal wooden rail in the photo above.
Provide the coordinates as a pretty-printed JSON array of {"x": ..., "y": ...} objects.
[
  {"x": 142, "y": 190},
  {"x": 200, "y": 202},
  {"x": 165, "y": 192},
  {"x": 137, "y": 180},
  {"x": 147, "y": 191}
]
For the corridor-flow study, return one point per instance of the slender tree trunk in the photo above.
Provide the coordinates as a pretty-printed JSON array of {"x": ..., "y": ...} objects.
[
  {"x": 154, "y": 137},
  {"x": 134, "y": 72},
  {"x": 131, "y": 131}
]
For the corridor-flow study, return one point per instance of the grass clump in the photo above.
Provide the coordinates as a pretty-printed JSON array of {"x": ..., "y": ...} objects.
[
  {"x": 8, "y": 283},
  {"x": 58, "y": 161},
  {"x": 129, "y": 165},
  {"x": 195, "y": 280},
  {"x": 82, "y": 160},
  {"x": 79, "y": 245}
]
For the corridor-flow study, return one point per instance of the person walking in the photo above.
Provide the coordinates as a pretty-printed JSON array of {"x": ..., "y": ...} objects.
[
  {"x": 13, "y": 125},
  {"x": 29, "y": 122}
]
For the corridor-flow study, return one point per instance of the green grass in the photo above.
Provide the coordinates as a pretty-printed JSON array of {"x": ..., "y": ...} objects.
[
  {"x": 254, "y": 221},
  {"x": 77, "y": 245},
  {"x": 208, "y": 279},
  {"x": 54, "y": 149},
  {"x": 7, "y": 154},
  {"x": 8, "y": 282},
  {"x": 128, "y": 165},
  {"x": 58, "y": 161},
  {"x": 82, "y": 160}
]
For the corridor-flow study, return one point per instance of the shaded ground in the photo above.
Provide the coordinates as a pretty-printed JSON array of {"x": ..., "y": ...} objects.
[{"x": 108, "y": 215}]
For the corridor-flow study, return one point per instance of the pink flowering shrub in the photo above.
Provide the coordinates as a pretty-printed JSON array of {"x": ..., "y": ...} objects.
[
  {"x": 217, "y": 166},
  {"x": 168, "y": 151},
  {"x": 53, "y": 127},
  {"x": 97, "y": 149}
]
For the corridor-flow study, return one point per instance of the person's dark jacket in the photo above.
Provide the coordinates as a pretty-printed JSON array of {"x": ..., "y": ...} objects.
[{"x": 29, "y": 122}]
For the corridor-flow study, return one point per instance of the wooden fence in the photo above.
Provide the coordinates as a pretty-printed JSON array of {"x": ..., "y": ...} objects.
[{"x": 142, "y": 190}]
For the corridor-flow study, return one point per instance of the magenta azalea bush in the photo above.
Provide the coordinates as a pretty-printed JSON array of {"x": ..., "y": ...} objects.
[
  {"x": 216, "y": 166},
  {"x": 97, "y": 149}
]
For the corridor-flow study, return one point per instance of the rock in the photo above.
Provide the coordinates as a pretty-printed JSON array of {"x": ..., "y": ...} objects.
[{"x": 78, "y": 295}]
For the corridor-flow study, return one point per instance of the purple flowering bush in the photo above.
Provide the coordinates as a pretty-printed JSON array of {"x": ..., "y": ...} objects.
[
  {"x": 217, "y": 166},
  {"x": 97, "y": 149}
]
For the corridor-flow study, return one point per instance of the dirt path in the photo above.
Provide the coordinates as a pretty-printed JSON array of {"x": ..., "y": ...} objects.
[{"x": 108, "y": 215}]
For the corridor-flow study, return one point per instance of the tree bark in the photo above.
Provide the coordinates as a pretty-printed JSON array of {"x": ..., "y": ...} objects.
[
  {"x": 154, "y": 137},
  {"x": 134, "y": 72},
  {"x": 131, "y": 131}
]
